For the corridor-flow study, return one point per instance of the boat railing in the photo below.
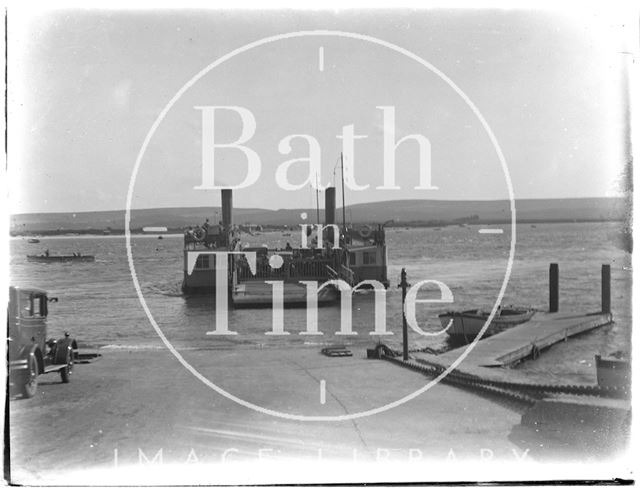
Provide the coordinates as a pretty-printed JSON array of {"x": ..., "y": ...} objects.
[{"x": 206, "y": 242}]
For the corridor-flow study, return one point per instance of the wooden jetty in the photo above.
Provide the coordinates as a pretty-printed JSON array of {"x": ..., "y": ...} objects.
[
  {"x": 521, "y": 342},
  {"x": 488, "y": 357},
  {"x": 525, "y": 341}
]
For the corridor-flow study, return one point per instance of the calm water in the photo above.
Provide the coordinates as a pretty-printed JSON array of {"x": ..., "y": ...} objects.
[{"x": 98, "y": 303}]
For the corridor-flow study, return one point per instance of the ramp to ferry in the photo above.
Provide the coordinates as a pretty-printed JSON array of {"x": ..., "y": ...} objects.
[{"x": 258, "y": 293}]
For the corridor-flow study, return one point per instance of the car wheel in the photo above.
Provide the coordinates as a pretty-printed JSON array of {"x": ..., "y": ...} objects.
[{"x": 30, "y": 384}]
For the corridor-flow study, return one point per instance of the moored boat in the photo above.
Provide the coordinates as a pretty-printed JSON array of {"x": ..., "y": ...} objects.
[
  {"x": 33, "y": 240},
  {"x": 44, "y": 258},
  {"x": 469, "y": 323}
]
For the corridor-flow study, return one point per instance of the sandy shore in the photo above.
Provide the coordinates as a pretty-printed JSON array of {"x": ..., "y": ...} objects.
[{"x": 143, "y": 409}]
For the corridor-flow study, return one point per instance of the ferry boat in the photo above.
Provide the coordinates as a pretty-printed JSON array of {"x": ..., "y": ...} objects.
[{"x": 361, "y": 255}]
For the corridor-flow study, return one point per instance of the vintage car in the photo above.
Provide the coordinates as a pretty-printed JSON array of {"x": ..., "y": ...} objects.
[{"x": 30, "y": 353}]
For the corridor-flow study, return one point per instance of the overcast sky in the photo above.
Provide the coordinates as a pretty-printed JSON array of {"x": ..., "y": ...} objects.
[{"x": 85, "y": 88}]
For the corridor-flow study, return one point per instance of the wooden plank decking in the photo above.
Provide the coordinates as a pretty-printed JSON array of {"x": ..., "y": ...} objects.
[{"x": 510, "y": 346}]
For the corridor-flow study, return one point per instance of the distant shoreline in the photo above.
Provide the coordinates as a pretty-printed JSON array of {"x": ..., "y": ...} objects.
[
  {"x": 395, "y": 213},
  {"x": 279, "y": 228}
]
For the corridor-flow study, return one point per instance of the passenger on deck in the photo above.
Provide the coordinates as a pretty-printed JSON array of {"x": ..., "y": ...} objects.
[
  {"x": 326, "y": 250},
  {"x": 46, "y": 253},
  {"x": 205, "y": 228},
  {"x": 288, "y": 247}
]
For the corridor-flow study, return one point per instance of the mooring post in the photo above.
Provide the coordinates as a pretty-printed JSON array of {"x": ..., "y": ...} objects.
[
  {"x": 405, "y": 340},
  {"x": 606, "y": 288},
  {"x": 554, "y": 287}
]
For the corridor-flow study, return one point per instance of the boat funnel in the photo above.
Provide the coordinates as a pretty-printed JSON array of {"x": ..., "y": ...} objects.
[
  {"x": 330, "y": 206},
  {"x": 227, "y": 208}
]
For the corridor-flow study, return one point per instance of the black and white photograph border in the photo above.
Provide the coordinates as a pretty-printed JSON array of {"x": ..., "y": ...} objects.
[{"x": 319, "y": 244}]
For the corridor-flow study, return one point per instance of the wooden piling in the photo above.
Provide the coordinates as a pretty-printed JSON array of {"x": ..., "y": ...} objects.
[
  {"x": 405, "y": 340},
  {"x": 606, "y": 288},
  {"x": 554, "y": 287}
]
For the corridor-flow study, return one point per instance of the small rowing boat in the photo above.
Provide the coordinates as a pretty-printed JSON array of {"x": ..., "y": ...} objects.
[
  {"x": 43, "y": 258},
  {"x": 470, "y": 322},
  {"x": 33, "y": 240}
]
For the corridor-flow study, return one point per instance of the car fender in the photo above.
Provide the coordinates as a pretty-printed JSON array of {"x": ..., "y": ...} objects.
[
  {"x": 61, "y": 347},
  {"x": 19, "y": 365}
]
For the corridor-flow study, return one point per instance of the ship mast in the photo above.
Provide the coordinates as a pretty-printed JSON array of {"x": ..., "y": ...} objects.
[
  {"x": 344, "y": 217},
  {"x": 317, "y": 201}
]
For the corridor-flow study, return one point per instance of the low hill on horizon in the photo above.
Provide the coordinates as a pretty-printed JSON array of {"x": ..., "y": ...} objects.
[{"x": 415, "y": 212}]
